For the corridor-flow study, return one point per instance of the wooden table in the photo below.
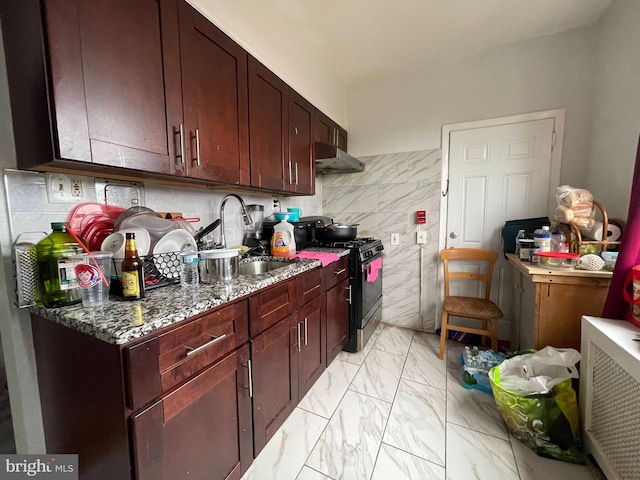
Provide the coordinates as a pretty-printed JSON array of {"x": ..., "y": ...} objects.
[{"x": 548, "y": 304}]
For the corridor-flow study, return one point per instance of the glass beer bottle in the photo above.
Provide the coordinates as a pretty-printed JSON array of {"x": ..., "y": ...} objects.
[{"x": 132, "y": 273}]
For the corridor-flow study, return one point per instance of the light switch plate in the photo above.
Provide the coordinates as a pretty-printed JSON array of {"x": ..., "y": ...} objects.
[
  {"x": 395, "y": 239},
  {"x": 421, "y": 237}
]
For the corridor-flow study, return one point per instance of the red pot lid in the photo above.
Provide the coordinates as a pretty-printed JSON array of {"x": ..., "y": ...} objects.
[{"x": 558, "y": 255}]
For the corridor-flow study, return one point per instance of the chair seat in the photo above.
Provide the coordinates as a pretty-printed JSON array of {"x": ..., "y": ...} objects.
[{"x": 472, "y": 307}]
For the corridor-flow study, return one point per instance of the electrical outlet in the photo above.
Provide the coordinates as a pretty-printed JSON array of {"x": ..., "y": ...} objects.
[
  {"x": 77, "y": 189},
  {"x": 421, "y": 237},
  {"x": 395, "y": 239},
  {"x": 63, "y": 188},
  {"x": 276, "y": 205}
]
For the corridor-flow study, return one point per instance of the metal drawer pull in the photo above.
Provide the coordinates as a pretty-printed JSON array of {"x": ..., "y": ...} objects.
[
  {"x": 305, "y": 331},
  {"x": 298, "y": 326},
  {"x": 180, "y": 134},
  {"x": 197, "y": 147},
  {"x": 338, "y": 272},
  {"x": 296, "y": 173},
  {"x": 290, "y": 177},
  {"x": 349, "y": 299},
  {"x": 193, "y": 351}
]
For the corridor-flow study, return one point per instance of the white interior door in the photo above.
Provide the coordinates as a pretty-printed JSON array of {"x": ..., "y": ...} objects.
[{"x": 497, "y": 173}]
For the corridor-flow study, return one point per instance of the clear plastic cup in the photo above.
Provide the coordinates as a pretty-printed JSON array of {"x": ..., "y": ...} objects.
[{"x": 95, "y": 292}]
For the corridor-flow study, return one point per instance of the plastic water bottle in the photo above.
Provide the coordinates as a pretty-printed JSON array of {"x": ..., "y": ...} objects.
[
  {"x": 519, "y": 237},
  {"x": 189, "y": 276}
]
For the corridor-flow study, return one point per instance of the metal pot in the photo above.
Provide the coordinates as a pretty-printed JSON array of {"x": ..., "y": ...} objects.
[
  {"x": 219, "y": 265},
  {"x": 337, "y": 233}
]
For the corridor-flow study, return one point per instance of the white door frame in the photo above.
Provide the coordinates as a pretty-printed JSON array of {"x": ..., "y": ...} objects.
[{"x": 556, "y": 158}]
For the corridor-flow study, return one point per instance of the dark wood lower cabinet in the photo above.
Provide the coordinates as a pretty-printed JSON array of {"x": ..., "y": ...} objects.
[
  {"x": 312, "y": 353},
  {"x": 150, "y": 410},
  {"x": 200, "y": 430},
  {"x": 337, "y": 319},
  {"x": 275, "y": 385}
]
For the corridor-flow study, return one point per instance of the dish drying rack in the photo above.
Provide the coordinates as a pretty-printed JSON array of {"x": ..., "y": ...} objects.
[
  {"x": 577, "y": 241},
  {"x": 159, "y": 270}
]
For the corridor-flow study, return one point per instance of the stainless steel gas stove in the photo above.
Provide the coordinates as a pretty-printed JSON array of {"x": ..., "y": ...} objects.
[{"x": 365, "y": 282}]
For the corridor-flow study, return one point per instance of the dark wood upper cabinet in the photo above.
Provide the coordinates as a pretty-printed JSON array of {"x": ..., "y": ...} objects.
[
  {"x": 328, "y": 131},
  {"x": 301, "y": 134},
  {"x": 115, "y": 81},
  {"x": 268, "y": 123},
  {"x": 152, "y": 89},
  {"x": 214, "y": 82}
]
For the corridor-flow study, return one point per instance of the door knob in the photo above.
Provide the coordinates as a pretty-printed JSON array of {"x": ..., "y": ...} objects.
[{"x": 453, "y": 235}]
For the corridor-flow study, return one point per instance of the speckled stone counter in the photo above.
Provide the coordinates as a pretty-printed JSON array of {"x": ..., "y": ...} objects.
[{"x": 122, "y": 321}]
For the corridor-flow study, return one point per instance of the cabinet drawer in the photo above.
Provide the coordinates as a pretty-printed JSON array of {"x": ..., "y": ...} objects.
[
  {"x": 336, "y": 272},
  {"x": 163, "y": 362},
  {"x": 270, "y": 306},
  {"x": 310, "y": 286}
]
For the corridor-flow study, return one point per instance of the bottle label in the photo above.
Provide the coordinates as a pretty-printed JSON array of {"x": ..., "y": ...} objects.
[
  {"x": 130, "y": 284},
  {"x": 67, "y": 274},
  {"x": 189, "y": 258},
  {"x": 87, "y": 275},
  {"x": 279, "y": 247}
]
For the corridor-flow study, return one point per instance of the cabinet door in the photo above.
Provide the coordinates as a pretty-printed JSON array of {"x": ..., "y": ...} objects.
[
  {"x": 275, "y": 379},
  {"x": 337, "y": 319},
  {"x": 272, "y": 305},
  {"x": 301, "y": 134},
  {"x": 214, "y": 79},
  {"x": 341, "y": 138},
  {"x": 115, "y": 76},
  {"x": 200, "y": 430},
  {"x": 268, "y": 123},
  {"x": 324, "y": 130},
  {"x": 310, "y": 285},
  {"x": 312, "y": 352}
]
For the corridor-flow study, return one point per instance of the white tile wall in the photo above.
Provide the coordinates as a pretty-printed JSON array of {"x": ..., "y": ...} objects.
[
  {"x": 31, "y": 211},
  {"x": 383, "y": 200}
]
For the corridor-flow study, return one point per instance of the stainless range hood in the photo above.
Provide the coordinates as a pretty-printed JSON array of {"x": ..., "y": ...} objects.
[{"x": 330, "y": 159}]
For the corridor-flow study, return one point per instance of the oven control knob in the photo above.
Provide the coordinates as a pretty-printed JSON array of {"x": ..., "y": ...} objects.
[
  {"x": 368, "y": 254},
  {"x": 379, "y": 248}
]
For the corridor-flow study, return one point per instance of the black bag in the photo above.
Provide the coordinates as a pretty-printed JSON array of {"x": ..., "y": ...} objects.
[{"x": 512, "y": 227}]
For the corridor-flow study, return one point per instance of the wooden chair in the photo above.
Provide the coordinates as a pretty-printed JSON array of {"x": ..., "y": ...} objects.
[{"x": 480, "y": 308}]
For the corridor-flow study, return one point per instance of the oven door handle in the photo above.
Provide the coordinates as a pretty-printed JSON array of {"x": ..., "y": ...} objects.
[{"x": 365, "y": 265}]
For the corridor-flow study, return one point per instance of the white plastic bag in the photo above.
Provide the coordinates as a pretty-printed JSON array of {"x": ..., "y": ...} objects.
[{"x": 539, "y": 372}]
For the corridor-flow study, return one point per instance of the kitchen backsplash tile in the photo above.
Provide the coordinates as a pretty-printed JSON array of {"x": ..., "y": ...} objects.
[
  {"x": 383, "y": 200},
  {"x": 31, "y": 211}
]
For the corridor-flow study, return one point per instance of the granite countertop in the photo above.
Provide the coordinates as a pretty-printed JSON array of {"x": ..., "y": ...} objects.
[{"x": 121, "y": 321}]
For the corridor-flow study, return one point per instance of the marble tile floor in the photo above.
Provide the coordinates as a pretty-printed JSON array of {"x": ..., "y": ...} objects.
[{"x": 395, "y": 411}]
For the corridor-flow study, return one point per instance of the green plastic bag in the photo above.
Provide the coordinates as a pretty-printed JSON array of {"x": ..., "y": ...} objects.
[{"x": 548, "y": 423}]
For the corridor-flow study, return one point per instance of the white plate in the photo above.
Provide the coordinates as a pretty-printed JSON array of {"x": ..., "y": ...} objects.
[
  {"x": 115, "y": 242},
  {"x": 173, "y": 242},
  {"x": 156, "y": 226}
]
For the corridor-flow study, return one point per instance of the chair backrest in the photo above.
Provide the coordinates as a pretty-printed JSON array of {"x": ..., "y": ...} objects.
[{"x": 472, "y": 254}]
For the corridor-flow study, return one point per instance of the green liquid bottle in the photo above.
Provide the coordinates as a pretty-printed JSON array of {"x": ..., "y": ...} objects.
[{"x": 58, "y": 284}]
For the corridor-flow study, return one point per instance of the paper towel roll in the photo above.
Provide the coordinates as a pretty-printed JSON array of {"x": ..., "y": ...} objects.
[{"x": 613, "y": 232}]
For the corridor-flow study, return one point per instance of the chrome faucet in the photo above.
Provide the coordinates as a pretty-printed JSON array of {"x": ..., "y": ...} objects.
[{"x": 245, "y": 216}]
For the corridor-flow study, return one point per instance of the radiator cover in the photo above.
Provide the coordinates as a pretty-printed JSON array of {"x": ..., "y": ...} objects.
[{"x": 610, "y": 396}]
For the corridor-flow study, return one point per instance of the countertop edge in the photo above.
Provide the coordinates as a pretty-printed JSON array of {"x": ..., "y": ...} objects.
[{"x": 121, "y": 322}]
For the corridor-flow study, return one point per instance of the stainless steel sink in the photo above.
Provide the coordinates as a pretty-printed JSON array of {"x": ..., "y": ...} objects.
[{"x": 262, "y": 266}]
